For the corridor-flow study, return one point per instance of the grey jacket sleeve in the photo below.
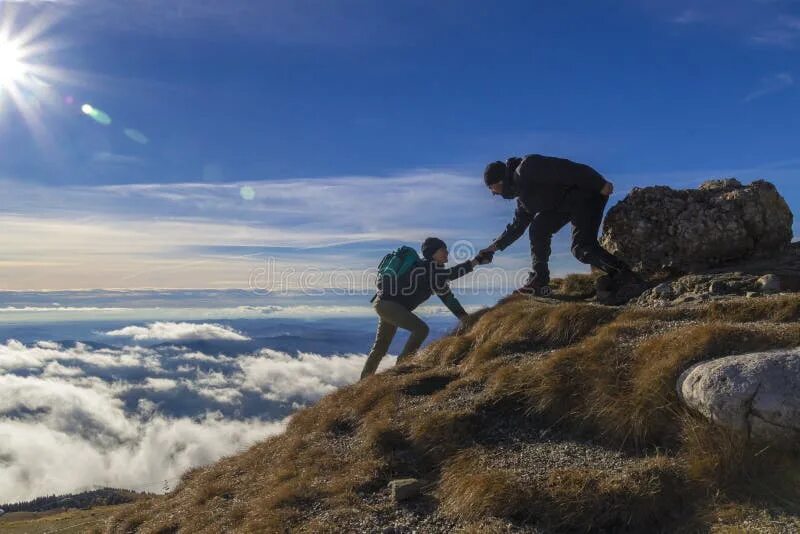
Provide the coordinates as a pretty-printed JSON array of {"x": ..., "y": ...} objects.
[{"x": 522, "y": 219}]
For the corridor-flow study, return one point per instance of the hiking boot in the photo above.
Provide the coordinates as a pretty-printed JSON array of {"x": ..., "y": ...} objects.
[
  {"x": 620, "y": 288},
  {"x": 534, "y": 287}
]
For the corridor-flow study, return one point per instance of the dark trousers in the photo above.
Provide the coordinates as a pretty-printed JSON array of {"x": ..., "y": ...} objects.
[{"x": 585, "y": 217}]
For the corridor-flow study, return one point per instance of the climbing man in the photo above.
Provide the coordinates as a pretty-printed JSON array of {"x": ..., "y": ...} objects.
[
  {"x": 550, "y": 193},
  {"x": 404, "y": 282}
]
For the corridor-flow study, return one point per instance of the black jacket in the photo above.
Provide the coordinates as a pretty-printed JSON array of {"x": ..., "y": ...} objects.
[
  {"x": 424, "y": 280},
  {"x": 542, "y": 183}
]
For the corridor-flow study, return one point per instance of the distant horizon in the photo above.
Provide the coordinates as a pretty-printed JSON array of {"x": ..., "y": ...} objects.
[{"x": 180, "y": 146}]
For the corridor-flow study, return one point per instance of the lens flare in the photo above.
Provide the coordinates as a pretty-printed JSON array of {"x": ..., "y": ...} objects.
[
  {"x": 247, "y": 192},
  {"x": 97, "y": 115},
  {"x": 136, "y": 136}
]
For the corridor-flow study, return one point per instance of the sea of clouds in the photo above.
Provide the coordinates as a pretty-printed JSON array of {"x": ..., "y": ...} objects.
[{"x": 139, "y": 411}]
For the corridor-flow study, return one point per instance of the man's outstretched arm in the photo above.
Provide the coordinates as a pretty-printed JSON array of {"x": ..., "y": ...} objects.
[{"x": 522, "y": 219}]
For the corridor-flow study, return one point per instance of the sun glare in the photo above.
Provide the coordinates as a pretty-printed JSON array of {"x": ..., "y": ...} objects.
[
  {"x": 12, "y": 68},
  {"x": 30, "y": 82}
]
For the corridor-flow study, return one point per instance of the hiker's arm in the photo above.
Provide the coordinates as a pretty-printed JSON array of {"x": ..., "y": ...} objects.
[
  {"x": 522, "y": 219},
  {"x": 460, "y": 270},
  {"x": 453, "y": 304}
]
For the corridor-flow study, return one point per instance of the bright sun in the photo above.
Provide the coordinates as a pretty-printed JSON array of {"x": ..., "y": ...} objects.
[{"x": 12, "y": 68}]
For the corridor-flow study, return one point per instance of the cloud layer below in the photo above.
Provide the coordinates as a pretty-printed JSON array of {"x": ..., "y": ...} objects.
[{"x": 75, "y": 416}]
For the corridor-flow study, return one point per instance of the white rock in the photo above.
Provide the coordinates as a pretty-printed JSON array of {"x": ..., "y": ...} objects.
[
  {"x": 757, "y": 393},
  {"x": 769, "y": 283}
]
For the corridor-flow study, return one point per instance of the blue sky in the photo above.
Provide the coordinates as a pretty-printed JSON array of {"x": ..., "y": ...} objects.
[{"x": 360, "y": 125}]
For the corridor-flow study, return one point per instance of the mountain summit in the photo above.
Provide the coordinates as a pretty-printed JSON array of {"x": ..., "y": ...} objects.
[{"x": 537, "y": 416}]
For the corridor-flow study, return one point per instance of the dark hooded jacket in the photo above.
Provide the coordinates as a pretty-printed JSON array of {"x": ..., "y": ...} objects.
[
  {"x": 427, "y": 278},
  {"x": 543, "y": 183}
]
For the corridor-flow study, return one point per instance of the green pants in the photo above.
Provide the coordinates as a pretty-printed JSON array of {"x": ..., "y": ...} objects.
[{"x": 392, "y": 315}]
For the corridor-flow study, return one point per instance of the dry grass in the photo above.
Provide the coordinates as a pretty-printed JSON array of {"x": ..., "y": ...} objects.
[
  {"x": 650, "y": 497},
  {"x": 472, "y": 491},
  {"x": 642, "y": 498},
  {"x": 608, "y": 372},
  {"x": 621, "y": 381},
  {"x": 580, "y": 286}
]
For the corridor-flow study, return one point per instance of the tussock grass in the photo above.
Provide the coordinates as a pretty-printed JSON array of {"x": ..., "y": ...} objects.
[
  {"x": 576, "y": 285},
  {"x": 470, "y": 490},
  {"x": 523, "y": 325},
  {"x": 783, "y": 308},
  {"x": 621, "y": 381},
  {"x": 647, "y": 498},
  {"x": 607, "y": 373},
  {"x": 641, "y": 498}
]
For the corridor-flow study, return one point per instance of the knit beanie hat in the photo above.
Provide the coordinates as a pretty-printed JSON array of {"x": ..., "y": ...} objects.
[
  {"x": 430, "y": 246},
  {"x": 494, "y": 172}
]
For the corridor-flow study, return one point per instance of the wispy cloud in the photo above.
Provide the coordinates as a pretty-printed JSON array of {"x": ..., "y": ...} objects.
[
  {"x": 783, "y": 31},
  {"x": 167, "y": 331},
  {"x": 760, "y": 22},
  {"x": 196, "y": 234},
  {"x": 771, "y": 85}
]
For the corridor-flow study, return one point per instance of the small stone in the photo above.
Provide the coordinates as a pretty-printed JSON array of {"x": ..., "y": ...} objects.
[
  {"x": 405, "y": 489},
  {"x": 664, "y": 291},
  {"x": 718, "y": 287},
  {"x": 752, "y": 294},
  {"x": 769, "y": 283}
]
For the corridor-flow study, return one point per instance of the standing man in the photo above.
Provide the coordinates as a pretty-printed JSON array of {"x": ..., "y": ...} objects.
[
  {"x": 550, "y": 193},
  {"x": 396, "y": 301}
]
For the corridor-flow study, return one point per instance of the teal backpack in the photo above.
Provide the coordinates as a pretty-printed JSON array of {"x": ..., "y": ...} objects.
[{"x": 396, "y": 264}]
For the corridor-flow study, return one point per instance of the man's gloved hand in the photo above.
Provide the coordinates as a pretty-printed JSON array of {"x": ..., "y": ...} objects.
[{"x": 607, "y": 190}]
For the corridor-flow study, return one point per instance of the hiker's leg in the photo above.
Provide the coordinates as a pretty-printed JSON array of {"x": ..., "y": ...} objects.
[
  {"x": 586, "y": 221},
  {"x": 543, "y": 226},
  {"x": 419, "y": 330},
  {"x": 383, "y": 338},
  {"x": 402, "y": 317}
]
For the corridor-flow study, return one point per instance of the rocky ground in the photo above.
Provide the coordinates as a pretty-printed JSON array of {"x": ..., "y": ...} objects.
[{"x": 752, "y": 278}]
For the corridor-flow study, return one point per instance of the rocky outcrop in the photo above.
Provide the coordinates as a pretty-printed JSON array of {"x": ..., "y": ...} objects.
[
  {"x": 758, "y": 394},
  {"x": 663, "y": 230},
  {"x": 707, "y": 287},
  {"x": 752, "y": 278}
]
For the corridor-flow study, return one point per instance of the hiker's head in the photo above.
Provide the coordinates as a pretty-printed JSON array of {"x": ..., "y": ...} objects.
[
  {"x": 494, "y": 175},
  {"x": 434, "y": 249}
]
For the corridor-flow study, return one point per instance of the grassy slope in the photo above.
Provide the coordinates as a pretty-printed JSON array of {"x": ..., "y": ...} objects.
[
  {"x": 63, "y": 522},
  {"x": 454, "y": 415}
]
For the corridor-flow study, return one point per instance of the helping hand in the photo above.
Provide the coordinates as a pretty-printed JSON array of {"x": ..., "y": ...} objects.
[{"x": 485, "y": 256}]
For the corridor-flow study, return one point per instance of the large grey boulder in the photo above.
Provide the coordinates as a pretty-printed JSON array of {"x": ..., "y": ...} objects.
[
  {"x": 664, "y": 230},
  {"x": 757, "y": 394}
]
